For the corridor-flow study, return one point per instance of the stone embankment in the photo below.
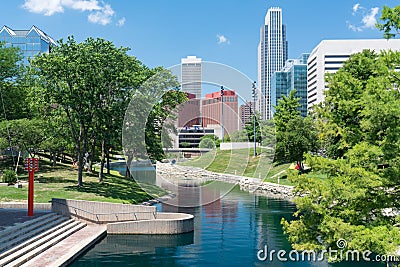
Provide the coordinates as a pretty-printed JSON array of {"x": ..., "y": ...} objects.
[{"x": 176, "y": 173}]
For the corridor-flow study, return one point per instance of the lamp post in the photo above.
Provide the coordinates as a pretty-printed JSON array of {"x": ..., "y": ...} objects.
[
  {"x": 254, "y": 93},
  {"x": 222, "y": 112}
]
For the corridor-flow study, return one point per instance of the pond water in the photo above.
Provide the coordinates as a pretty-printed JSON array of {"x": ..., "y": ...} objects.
[{"x": 228, "y": 232}]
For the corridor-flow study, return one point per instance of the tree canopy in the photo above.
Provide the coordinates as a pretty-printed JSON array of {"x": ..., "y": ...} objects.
[
  {"x": 295, "y": 135},
  {"x": 359, "y": 198},
  {"x": 87, "y": 82}
]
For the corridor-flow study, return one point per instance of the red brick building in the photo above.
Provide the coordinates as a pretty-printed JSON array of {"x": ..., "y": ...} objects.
[
  {"x": 189, "y": 112},
  {"x": 212, "y": 110}
]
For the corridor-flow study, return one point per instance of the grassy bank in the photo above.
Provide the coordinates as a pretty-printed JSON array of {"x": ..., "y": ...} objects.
[
  {"x": 240, "y": 162},
  {"x": 61, "y": 182}
]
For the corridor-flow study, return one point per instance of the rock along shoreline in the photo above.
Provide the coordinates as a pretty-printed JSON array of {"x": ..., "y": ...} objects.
[{"x": 253, "y": 185}]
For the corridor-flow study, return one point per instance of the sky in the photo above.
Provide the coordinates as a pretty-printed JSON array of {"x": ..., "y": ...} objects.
[{"x": 161, "y": 32}]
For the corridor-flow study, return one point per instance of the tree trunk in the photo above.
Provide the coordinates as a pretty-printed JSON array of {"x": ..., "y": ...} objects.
[
  {"x": 103, "y": 154},
  {"x": 82, "y": 148},
  {"x": 80, "y": 165},
  {"x": 128, "y": 165},
  {"x": 91, "y": 156},
  {"x": 54, "y": 157},
  {"x": 108, "y": 160}
]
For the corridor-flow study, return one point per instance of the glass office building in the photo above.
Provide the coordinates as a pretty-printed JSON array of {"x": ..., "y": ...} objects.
[
  {"x": 292, "y": 76},
  {"x": 31, "y": 42},
  {"x": 272, "y": 55}
]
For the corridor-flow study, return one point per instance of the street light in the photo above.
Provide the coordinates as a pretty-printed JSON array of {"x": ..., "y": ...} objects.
[
  {"x": 254, "y": 94},
  {"x": 222, "y": 118}
]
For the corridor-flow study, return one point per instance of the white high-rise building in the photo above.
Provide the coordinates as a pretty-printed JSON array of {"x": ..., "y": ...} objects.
[
  {"x": 191, "y": 75},
  {"x": 328, "y": 56},
  {"x": 272, "y": 55}
]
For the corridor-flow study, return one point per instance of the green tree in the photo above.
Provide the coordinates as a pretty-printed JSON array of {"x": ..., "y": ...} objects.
[
  {"x": 359, "y": 118},
  {"x": 249, "y": 127},
  {"x": 80, "y": 78},
  {"x": 390, "y": 24},
  {"x": 12, "y": 89},
  {"x": 268, "y": 133},
  {"x": 207, "y": 143},
  {"x": 157, "y": 126},
  {"x": 24, "y": 134},
  {"x": 287, "y": 109},
  {"x": 239, "y": 136},
  {"x": 300, "y": 137},
  {"x": 340, "y": 115},
  {"x": 294, "y": 135},
  {"x": 210, "y": 141},
  {"x": 149, "y": 116}
]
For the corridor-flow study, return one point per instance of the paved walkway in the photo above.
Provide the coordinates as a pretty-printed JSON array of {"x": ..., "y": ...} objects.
[{"x": 11, "y": 217}]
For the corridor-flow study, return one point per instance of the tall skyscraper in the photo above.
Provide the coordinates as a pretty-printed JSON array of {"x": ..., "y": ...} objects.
[
  {"x": 292, "y": 76},
  {"x": 30, "y": 42},
  {"x": 191, "y": 75},
  {"x": 329, "y": 55},
  {"x": 272, "y": 55}
]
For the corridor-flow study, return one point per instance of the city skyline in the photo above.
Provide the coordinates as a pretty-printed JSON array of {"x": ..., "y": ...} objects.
[{"x": 229, "y": 32}]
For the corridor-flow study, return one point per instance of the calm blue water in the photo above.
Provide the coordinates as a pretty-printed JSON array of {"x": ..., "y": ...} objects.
[{"x": 228, "y": 232}]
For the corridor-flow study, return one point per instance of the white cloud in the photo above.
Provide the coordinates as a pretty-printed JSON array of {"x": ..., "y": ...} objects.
[
  {"x": 121, "y": 22},
  {"x": 46, "y": 7},
  {"x": 369, "y": 20},
  {"x": 222, "y": 39},
  {"x": 98, "y": 13},
  {"x": 102, "y": 16},
  {"x": 356, "y": 7},
  {"x": 83, "y": 5},
  {"x": 354, "y": 28}
]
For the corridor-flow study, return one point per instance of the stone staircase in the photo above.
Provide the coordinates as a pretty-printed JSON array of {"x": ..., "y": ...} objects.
[{"x": 23, "y": 242}]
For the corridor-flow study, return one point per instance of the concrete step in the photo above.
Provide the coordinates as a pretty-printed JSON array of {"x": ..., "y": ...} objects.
[
  {"x": 58, "y": 224},
  {"x": 66, "y": 251},
  {"x": 9, "y": 230},
  {"x": 30, "y": 232},
  {"x": 29, "y": 250}
]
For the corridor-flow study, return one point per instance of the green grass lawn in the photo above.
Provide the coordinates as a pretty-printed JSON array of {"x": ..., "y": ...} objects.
[
  {"x": 278, "y": 174},
  {"x": 238, "y": 161},
  {"x": 245, "y": 164},
  {"x": 61, "y": 182}
]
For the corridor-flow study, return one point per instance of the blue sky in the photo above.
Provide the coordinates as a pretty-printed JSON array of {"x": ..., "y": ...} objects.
[{"x": 226, "y": 31}]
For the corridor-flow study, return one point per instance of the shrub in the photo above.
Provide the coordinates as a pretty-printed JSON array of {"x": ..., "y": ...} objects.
[{"x": 9, "y": 177}]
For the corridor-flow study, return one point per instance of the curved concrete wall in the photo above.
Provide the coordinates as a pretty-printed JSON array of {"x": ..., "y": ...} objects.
[
  {"x": 102, "y": 212},
  {"x": 166, "y": 223}
]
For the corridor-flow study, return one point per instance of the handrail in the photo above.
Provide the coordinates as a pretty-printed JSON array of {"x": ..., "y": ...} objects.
[{"x": 101, "y": 214}]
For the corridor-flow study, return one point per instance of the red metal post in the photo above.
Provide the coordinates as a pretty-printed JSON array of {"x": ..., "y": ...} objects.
[
  {"x": 30, "y": 193},
  {"x": 31, "y": 165}
]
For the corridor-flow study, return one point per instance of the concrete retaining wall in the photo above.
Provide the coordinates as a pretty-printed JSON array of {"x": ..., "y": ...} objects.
[
  {"x": 237, "y": 145},
  {"x": 102, "y": 212},
  {"x": 166, "y": 223},
  {"x": 24, "y": 205}
]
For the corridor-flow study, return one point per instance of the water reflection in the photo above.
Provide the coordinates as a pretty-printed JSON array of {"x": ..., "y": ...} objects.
[{"x": 229, "y": 231}]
